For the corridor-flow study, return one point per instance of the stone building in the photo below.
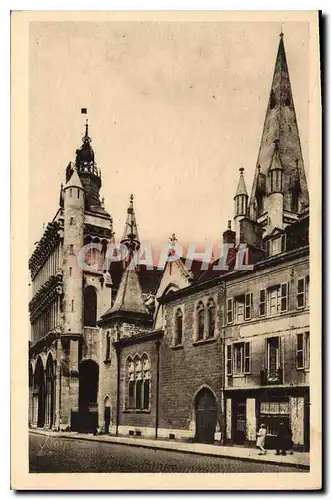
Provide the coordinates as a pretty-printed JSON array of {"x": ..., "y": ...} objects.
[{"x": 185, "y": 353}]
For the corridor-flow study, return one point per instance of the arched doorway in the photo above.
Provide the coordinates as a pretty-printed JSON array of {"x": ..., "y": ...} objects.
[
  {"x": 50, "y": 386},
  {"x": 206, "y": 416},
  {"x": 107, "y": 415},
  {"x": 86, "y": 420},
  {"x": 39, "y": 392}
]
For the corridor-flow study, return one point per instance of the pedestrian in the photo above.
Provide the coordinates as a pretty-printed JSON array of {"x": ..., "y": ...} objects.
[
  {"x": 261, "y": 434},
  {"x": 281, "y": 440},
  {"x": 290, "y": 443}
]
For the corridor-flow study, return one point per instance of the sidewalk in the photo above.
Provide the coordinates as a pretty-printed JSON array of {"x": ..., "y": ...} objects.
[{"x": 300, "y": 460}]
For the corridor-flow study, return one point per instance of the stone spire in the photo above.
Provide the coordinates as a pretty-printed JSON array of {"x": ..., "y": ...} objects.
[
  {"x": 129, "y": 301},
  {"x": 241, "y": 196},
  {"x": 280, "y": 125},
  {"x": 130, "y": 236}
]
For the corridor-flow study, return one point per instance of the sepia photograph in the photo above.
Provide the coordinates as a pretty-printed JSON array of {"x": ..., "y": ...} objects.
[{"x": 172, "y": 207}]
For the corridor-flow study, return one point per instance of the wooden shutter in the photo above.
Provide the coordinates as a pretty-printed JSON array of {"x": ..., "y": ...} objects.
[
  {"x": 229, "y": 361},
  {"x": 247, "y": 358}
]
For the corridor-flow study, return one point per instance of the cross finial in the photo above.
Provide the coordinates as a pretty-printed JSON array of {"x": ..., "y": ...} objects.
[
  {"x": 131, "y": 198},
  {"x": 281, "y": 32}
]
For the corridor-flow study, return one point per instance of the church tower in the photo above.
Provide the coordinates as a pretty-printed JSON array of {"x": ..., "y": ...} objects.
[
  {"x": 73, "y": 196},
  {"x": 88, "y": 172},
  {"x": 279, "y": 193}
]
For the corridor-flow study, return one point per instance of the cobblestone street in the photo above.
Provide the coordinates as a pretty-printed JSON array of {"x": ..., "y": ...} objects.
[{"x": 54, "y": 454}]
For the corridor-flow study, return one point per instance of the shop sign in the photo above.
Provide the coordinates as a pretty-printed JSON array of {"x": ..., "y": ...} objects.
[{"x": 275, "y": 407}]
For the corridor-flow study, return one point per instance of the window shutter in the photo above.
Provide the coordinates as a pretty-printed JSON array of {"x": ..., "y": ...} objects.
[
  {"x": 230, "y": 310},
  {"x": 247, "y": 358},
  {"x": 248, "y": 305},
  {"x": 229, "y": 362},
  {"x": 300, "y": 351},
  {"x": 262, "y": 302},
  {"x": 284, "y": 296}
]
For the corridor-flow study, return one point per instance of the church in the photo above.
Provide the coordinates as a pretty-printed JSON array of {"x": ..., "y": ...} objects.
[{"x": 204, "y": 355}]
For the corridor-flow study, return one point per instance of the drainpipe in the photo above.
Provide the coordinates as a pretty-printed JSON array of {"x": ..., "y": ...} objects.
[
  {"x": 157, "y": 389},
  {"x": 223, "y": 406},
  {"x": 118, "y": 391}
]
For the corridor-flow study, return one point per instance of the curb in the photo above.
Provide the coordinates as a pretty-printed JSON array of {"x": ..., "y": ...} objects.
[{"x": 177, "y": 450}]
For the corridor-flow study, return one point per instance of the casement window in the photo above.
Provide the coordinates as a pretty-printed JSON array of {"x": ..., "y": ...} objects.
[
  {"x": 238, "y": 358},
  {"x": 211, "y": 319},
  {"x": 138, "y": 377},
  {"x": 283, "y": 243},
  {"x": 239, "y": 309},
  {"x": 278, "y": 298},
  {"x": 262, "y": 302},
  {"x": 230, "y": 311},
  {"x": 200, "y": 321},
  {"x": 303, "y": 351},
  {"x": 178, "y": 337},
  {"x": 243, "y": 307},
  {"x": 302, "y": 292},
  {"x": 248, "y": 305}
]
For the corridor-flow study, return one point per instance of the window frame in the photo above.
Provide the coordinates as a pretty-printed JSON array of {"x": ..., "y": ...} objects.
[
  {"x": 137, "y": 379},
  {"x": 268, "y": 350},
  {"x": 279, "y": 298},
  {"x": 242, "y": 349}
]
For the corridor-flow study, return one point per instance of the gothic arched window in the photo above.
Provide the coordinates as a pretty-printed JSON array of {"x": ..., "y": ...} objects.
[
  {"x": 146, "y": 381},
  {"x": 178, "y": 327},
  {"x": 211, "y": 317},
  {"x": 138, "y": 379},
  {"x": 200, "y": 321},
  {"x": 131, "y": 383}
]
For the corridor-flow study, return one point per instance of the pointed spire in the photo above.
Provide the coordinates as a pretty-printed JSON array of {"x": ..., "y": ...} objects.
[
  {"x": 74, "y": 181},
  {"x": 129, "y": 300},
  {"x": 276, "y": 160},
  {"x": 130, "y": 236},
  {"x": 241, "y": 187},
  {"x": 280, "y": 124}
]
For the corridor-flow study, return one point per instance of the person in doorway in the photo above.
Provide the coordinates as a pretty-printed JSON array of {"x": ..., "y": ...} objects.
[
  {"x": 281, "y": 440},
  {"x": 260, "y": 443}
]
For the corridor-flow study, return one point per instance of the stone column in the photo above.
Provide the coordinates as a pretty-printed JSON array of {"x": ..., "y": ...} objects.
[
  {"x": 251, "y": 419},
  {"x": 229, "y": 418},
  {"x": 297, "y": 419}
]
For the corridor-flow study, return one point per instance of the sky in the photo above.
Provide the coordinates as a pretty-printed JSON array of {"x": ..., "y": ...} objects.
[{"x": 174, "y": 109}]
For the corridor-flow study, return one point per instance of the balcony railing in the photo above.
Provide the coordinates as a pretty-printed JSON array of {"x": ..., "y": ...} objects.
[{"x": 272, "y": 377}]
